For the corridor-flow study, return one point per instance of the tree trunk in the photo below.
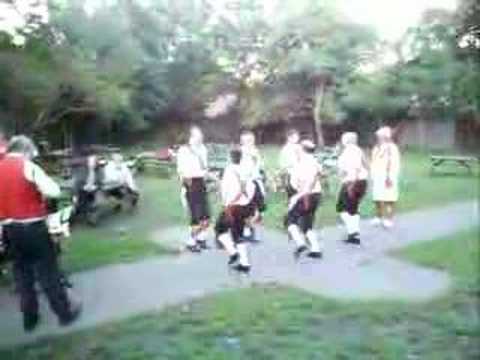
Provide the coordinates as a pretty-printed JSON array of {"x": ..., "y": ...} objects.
[{"x": 317, "y": 108}]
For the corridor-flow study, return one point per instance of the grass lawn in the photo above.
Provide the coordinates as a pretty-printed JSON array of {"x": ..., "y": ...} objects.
[
  {"x": 418, "y": 190},
  {"x": 281, "y": 323},
  {"x": 127, "y": 237}
]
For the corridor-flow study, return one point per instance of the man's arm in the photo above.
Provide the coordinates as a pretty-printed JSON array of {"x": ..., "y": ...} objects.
[{"x": 45, "y": 184}]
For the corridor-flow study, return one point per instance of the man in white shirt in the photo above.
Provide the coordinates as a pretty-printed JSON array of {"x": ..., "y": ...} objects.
[
  {"x": 24, "y": 189},
  {"x": 251, "y": 166},
  {"x": 302, "y": 207},
  {"x": 232, "y": 220},
  {"x": 289, "y": 157},
  {"x": 192, "y": 167},
  {"x": 353, "y": 173}
]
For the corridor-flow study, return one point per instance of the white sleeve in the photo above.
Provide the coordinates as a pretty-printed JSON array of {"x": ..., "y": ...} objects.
[
  {"x": 226, "y": 186},
  {"x": 45, "y": 184},
  {"x": 182, "y": 163},
  {"x": 205, "y": 157},
  {"x": 128, "y": 178},
  {"x": 342, "y": 163},
  {"x": 284, "y": 161}
]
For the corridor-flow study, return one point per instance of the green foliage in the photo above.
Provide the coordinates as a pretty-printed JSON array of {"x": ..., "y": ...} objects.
[{"x": 135, "y": 63}]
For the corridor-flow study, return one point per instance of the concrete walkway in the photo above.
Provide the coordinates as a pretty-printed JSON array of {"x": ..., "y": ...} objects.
[{"x": 365, "y": 273}]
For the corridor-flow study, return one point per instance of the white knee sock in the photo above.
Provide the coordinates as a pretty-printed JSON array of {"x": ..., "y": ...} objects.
[
  {"x": 247, "y": 231},
  {"x": 202, "y": 235},
  {"x": 191, "y": 240},
  {"x": 346, "y": 218},
  {"x": 227, "y": 242},
  {"x": 243, "y": 254},
  {"x": 355, "y": 219},
  {"x": 315, "y": 245},
  {"x": 352, "y": 222},
  {"x": 296, "y": 235}
]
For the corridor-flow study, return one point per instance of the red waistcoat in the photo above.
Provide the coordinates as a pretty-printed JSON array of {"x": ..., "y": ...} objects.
[{"x": 19, "y": 198}]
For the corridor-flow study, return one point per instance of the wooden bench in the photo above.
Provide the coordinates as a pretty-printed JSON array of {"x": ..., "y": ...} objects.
[{"x": 466, "y": 162}]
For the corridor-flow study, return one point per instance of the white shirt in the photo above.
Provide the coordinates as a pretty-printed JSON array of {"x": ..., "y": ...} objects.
[
  {"x": 233, "y": 189},
  {"x": 385, "y": 161},
  {"x": 118, "y": 174},
  {"x": 192, "y": 161},
  {"x": 251, "y": 163},
  {"x": 290, "y": 156},
  {"x": 351, "y": 164},
  {"x": 306, "y": 175}
]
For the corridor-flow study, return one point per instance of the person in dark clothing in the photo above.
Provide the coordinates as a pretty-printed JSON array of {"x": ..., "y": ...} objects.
[{"x": 24, "y": 188}]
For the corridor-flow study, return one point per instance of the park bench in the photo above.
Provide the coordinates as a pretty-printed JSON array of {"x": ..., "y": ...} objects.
[{"x": 466, "y": 162}]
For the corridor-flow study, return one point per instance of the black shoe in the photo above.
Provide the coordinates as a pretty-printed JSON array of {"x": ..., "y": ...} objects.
[
  {"x": 202, "y": 245},
  {"x": 194, "y": 249},
  {"x": 353, "y": 239},
  {"x": 300, "y": 250},
  {"x": 73, "y": 316},
  {"x": 242, "y": 268},
  {"x": 233, "y": 259},
  {"x": 315, "y": 255},
  {"x": 30, "y": 322},
  {"x": 66, "y": 283}
]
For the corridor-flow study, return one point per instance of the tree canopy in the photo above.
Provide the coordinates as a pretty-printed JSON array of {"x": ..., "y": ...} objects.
[{"x": 139, "y": 65}]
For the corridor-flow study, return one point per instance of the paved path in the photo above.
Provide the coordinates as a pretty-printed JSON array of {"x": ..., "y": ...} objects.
[{"x": 120, "y": 291}]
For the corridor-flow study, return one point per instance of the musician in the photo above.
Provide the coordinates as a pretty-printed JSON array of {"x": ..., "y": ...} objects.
[
  {"x": 305, "y": 180},
  {"x": 232, "y": 220},
  {"x": 353, "y": 173},
  {"x": 24, "y": 188},
  {"x": 192, "y": 167}
]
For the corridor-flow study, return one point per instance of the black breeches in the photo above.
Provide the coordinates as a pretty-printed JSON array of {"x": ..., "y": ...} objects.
[
  {"x": 232, "y": 219},
  {"x": 258, "y": 200},
  {"x": 197, "y": 199},
  {"x": 35, "y": 259},
  {"x": 349, "y": 201},
  {"x": 303, "y": 213}
]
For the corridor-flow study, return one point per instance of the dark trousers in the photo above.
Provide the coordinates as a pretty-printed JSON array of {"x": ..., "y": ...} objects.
[
  {"x": 303, "y": 213},
  {"x": 257, "y": 203},
  {"x": 35, "y": 259},
  {"x": 197, "y": 199},
  {"x": 232, "y": 219},
  {"x": 349, "y": 201}
]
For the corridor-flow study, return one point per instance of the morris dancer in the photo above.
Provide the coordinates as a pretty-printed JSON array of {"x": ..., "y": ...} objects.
[
  {"x": 231, "y": 222},
  {"x": 192, "y": 169},
  {"x": 24, "y": 188},
  {"x": 385, "y": 171},
  {"x": 289, "y": 157},
  {"x": 353, "y": 174},
  {"x": 251, "y": 165},
  {"x": 303, "y": 205}
]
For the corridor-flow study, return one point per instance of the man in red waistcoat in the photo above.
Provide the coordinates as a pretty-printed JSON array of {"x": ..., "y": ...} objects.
[
  {"x": 3, "y": 144},
  {"x": 24, "y": 188}
]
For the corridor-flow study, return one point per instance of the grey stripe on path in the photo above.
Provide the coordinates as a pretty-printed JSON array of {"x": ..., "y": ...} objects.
[{"x": 347, "y": 273}]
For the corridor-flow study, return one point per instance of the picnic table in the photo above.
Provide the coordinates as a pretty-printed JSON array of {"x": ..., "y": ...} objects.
[{"x": 466, "y": 162}]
